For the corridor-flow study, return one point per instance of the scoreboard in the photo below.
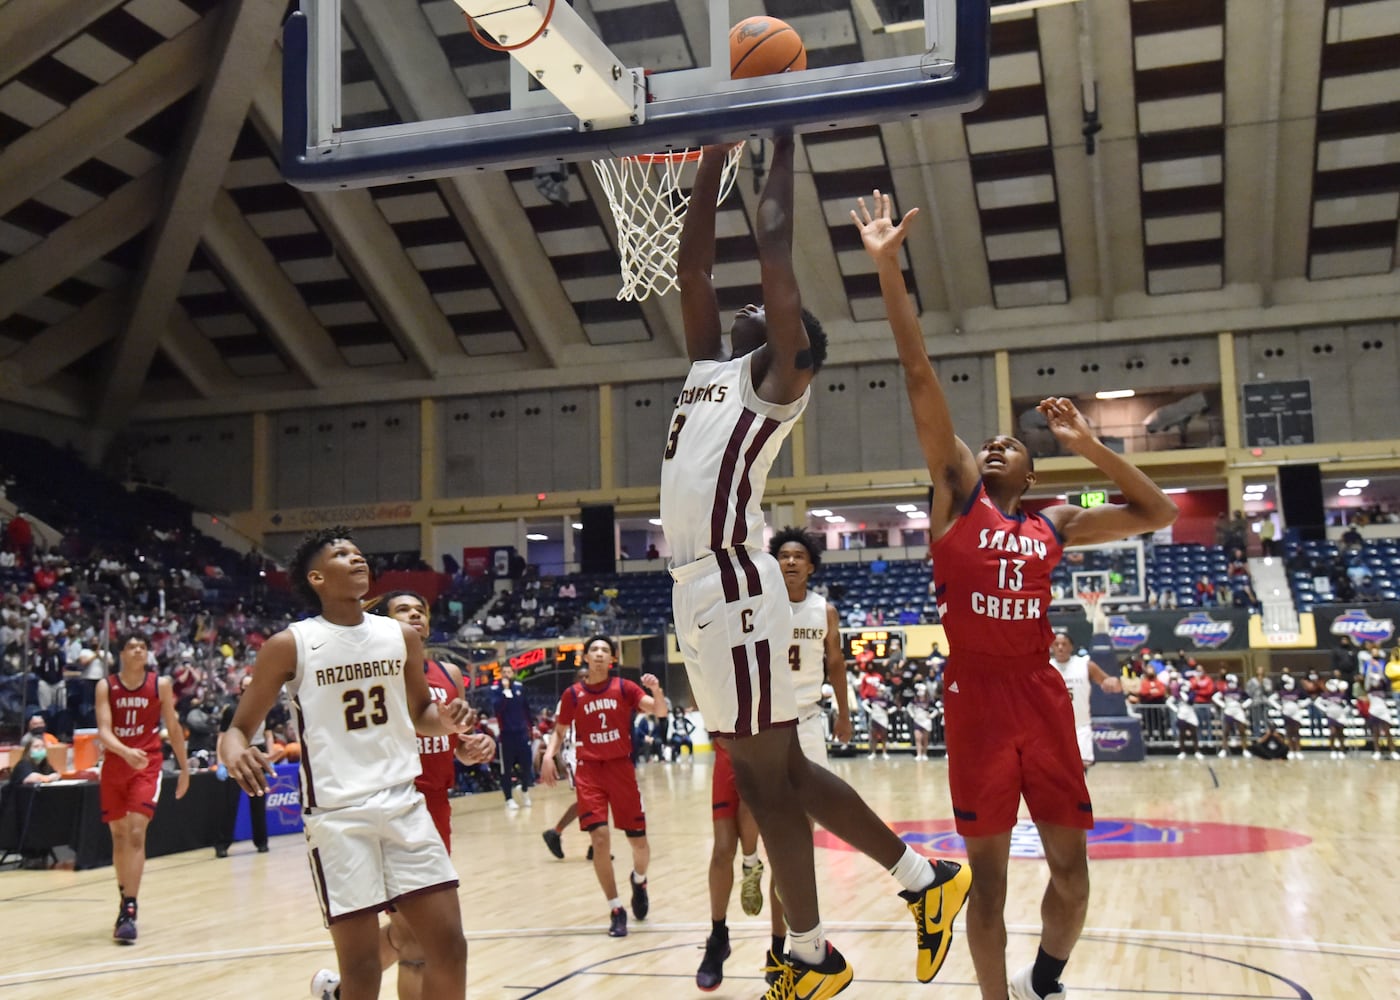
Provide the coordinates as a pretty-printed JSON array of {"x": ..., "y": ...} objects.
[{"x": 877, "y": 640}]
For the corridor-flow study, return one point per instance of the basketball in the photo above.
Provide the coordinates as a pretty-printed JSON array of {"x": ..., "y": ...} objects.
[{"x": 760, "y": 46}]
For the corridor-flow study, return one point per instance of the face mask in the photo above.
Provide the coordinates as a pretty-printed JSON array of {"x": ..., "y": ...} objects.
[
  {"x": 37, "y": 754},
  {"x": 38, "y": 732}
]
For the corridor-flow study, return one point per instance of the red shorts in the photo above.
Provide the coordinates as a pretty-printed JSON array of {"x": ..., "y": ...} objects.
[
  {"x": 603, "y": 783},
  {"x": 1010, "y": 734},
  {"x": 122, "y": 790},
  {"x": 724, "y": 790},
  {"x": 440, "y": 809}
]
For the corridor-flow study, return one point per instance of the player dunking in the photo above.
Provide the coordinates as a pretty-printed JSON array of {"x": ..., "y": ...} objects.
[
  {"x": 733, "y": 622},
  {"x": 600, "y": 710},
  {"x": 360, "y": 693},
  {"x": 397, "y": 942},
  {"x": 131, "y": 704},
  {"x": 1010, "y": 725}
]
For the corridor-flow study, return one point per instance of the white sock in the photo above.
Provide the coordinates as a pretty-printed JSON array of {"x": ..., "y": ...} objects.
[
  {"x": 614, "y": 903},
  {"x": 808, "y": 946},
  {"x": 638, "y": 879},
  {"x": 913, "y": 871},
  {"x": 751, "y": 859}
]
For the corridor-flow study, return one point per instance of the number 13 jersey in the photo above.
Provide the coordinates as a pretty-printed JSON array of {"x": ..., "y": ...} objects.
[
  {"x": 991, "y": 575},
  {"x": 352, "y": 710}
]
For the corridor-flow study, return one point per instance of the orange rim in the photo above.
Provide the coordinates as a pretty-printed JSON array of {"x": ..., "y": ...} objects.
[{"x": 678, "y": 156}]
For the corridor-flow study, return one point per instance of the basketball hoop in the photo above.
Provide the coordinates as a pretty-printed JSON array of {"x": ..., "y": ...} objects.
[
  {"x": 1089, "y": 600},
  {"x": 649, "y": 197}
]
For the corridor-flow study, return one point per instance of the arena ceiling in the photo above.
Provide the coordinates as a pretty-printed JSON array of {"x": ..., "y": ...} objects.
[{"x": 1243, "y": 172}]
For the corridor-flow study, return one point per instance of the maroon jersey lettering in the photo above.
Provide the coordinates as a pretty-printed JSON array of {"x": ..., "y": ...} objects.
[
  {"x": 991, "y": 574},
  {"x": 601, "y": 717},
  {"x": 135, "y": 711}
]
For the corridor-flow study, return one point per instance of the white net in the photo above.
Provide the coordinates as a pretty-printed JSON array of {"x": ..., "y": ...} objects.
[{"x": 649, "y": 196}]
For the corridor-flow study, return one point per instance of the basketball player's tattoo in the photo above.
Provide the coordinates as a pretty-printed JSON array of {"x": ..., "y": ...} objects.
[{"x": 803, "y": 361}]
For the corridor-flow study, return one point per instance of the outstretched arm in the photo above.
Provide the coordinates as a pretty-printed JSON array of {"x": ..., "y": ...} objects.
[
  {"x": 1146, "y": 508},
  {"x": 695, "y": 260},
  {"x": 950, "y": 461},
  {"x": 783, "y": 367}
]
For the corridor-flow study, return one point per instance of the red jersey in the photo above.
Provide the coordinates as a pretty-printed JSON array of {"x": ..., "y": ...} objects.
[
  {"x": 135, "y": 711},
  {"x": 435, "y": 752},
  {"x": 601, "y": 717},
  {"x": 991, "y": 574}
]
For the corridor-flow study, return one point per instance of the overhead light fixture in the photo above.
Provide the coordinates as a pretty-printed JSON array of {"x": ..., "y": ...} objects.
[
  {"x": 1175, "y": 489},
  {"x": 578, "y": 525},
  {"x": 834, "y": 519},
  {"x": 1115, "y": 393},
  {"x": 536, "y": 537},
  {"x": 1358, "y": 484},
  {"x": 1259, "y": 488},
  {"x": 654, "y": 520},
  {"x": 819, "y": 513},
  {"x": 917, "y": 515},
  {"x": 1061, "y": 496},
  {"x": 1350, "y": 491},
  {"x": 905, "y": 508}
]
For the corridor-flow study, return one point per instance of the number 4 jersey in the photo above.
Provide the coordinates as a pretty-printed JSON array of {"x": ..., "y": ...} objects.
[
  {"x": 352, "y": 710},
  {"x": 991, "y": 575}
]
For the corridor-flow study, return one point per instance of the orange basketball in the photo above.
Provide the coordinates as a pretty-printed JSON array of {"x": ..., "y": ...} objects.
[{"x": 759, "y": 46}]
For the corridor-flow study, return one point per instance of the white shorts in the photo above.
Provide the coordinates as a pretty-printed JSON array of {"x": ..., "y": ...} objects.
[
  {"x": 811, "y": 734},
  {"x": 733, "y": 626},
  {"x": 1085, "y": 735},
  {"x": 365, "y": 856}
]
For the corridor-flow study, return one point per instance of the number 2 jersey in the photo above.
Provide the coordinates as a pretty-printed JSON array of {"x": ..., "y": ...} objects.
[
  {"x": 352, "y": 710},
  {"x": 601, "y": 717},
  {"x": 991, "y": 575}
]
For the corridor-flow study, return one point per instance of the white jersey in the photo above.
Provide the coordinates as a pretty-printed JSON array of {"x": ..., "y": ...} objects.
[
  {"x": 1076, "y": 674},
  {"x": 352, "y": 710},
  {"x": 807, "y": 654},
  {"x": 722, "y": 441}
]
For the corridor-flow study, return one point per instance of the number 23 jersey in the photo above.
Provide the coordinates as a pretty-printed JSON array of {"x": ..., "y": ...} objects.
[{"x": 352, "y": 710}]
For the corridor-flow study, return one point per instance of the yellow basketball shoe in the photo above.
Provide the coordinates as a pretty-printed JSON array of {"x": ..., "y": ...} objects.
[
  {"x": 935, "y": 908},
  {"x": 751, "y": 889},
  {"x": 799, "y": 981}
]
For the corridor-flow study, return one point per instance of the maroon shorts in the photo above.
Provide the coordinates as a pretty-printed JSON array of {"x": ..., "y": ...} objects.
[
  {"x": 440, "y": 809},
  {"x": 1010, "y": 734},
  {"x": 122, "y": 790},
  {"x": 724, "y": 790},
  {"x": 601, "y": 784}
]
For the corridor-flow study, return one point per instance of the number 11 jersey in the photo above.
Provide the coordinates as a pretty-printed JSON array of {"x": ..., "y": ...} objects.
[{"x": 352, "y": 710}]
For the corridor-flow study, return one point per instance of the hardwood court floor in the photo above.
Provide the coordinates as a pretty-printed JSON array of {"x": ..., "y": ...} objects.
[{"x": 1317, "y": 919}]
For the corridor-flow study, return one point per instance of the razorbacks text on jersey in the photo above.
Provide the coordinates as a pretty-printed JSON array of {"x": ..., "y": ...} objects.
[
  {"x": 352, "y": 710},
  {"x": 991, "y": 574},
  {"x": 807, "y": 653},
  {"x": 721, "y": 444},
  {"x": 135, "y": 711}
]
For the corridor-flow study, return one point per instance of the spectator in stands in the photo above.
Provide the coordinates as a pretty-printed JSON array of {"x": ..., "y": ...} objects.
[
  {"x": 33, "y": 767},
  {"x": 513, "y": 716},
  {"x": 19, "y": 538},
  {"x": 495, "y": 623},
  {"x": 1352, "y": 539},
  {"x": 1205, "y": 591},
  {"x": 567, "y": 591},
  {"x": 1266, "y": 537},
  {"x": 1368, "y": 589},
  {"x": 49, "y": 670},
  {"x": 1238, "y": 531},
  {"x": 681, "y": 730},
  {"x": 39, "y": 728},
  {"x": 646, "y": 741},
  {"x": 652, "y": 552}
]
